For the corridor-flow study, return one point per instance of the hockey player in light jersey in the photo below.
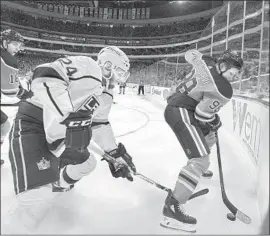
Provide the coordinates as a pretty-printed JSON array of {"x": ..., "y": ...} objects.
[
  {"x": 192, "y": 115},
  {"x": 11, "y": 43},
  {"x": 68, "y": 108}
]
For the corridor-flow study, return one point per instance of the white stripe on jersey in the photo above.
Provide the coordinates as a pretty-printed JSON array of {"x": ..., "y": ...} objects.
[
  {"x": 14, "y": 158},
  {"x": 60, "y": 149},
  {"x": 186, "y": 184},
  {"x": 204, "y": 152},
  {"x": 193, "y": 132},
  {"x": 191, "y": 175},
  {"x": 22, "y": 155},
  {"x": 200, "y": 112}
]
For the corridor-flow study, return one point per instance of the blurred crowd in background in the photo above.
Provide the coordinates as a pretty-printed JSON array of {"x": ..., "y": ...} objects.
[
  {"x": 250, "y": 39},
  {"x": 67, "y": 26}
]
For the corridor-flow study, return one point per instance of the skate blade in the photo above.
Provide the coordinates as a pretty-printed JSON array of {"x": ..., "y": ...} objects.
[{"x": 177, "y": 225}]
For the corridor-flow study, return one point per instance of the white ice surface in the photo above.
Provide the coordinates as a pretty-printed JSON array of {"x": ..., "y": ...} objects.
[{"x": 101, "y": 204}]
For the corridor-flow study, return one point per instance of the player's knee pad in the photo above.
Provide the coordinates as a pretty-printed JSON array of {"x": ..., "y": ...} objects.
[
  {"x": 199, "y": 165},
  {"x": 5, "y": 127},
  {"x": 73, "y": 173},
  {"x": 88, "y": 166}
]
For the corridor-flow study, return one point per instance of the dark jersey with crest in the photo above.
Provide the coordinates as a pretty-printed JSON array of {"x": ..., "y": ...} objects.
[{"x": 9, "y": 70}]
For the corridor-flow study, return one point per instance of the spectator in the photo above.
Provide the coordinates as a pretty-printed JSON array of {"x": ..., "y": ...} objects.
[{"x": 75, "y": 27}]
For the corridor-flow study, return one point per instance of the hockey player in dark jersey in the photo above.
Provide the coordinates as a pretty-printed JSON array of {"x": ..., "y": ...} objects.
[
  {"x": 191, "y": 113},
  {"x": 11, "y": 43}
]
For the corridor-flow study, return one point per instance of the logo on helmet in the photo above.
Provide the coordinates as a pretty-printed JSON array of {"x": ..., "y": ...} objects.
[{"x": 116, "y": 51}]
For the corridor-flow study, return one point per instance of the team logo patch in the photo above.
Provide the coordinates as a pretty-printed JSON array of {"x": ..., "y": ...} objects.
[
  {"x": 43, "y": 164},
  {"x": 91, "y": 104}
]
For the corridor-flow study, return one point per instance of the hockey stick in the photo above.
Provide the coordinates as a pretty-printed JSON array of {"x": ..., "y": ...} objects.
[
  {"x": 94, "y": 147},
  {"x": 10, "y": 105},
  {"x": 146, "y": 179},
  {"x": 235, "y": 211}
]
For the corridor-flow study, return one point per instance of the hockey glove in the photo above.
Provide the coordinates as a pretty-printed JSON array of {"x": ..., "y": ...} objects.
[
  {"x": 124, "y": 162},
  {"x": 78, "y": 133},
  {"x": 24, "y": 91},
  {"x": 24, "y": 94},
  {"x": 215, "y": 124}
]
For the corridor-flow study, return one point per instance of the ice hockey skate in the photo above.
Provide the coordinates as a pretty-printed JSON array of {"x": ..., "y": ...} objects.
[
  {"x": 175, "y": 218},
  {"x": 207, "y": 174}
]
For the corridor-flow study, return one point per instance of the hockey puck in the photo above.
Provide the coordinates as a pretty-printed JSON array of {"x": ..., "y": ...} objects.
[{"x": 231, "y": 216}]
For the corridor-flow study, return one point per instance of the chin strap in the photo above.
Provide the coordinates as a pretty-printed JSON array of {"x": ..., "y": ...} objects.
[{"x": 107, "y": 83}]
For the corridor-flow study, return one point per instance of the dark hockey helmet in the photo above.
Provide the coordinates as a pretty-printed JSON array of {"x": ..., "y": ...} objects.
[
  {"x": 231, "y": 59},
  {"x": 11, "y": 35}
]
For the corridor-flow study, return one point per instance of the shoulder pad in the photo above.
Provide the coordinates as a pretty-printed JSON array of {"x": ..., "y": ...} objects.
[
  {"x": 87, "y": 65},
  {"x": 9, "y": 59},
  {"x": 192, "y": 55},
  {"x": 46, "y": 71}
]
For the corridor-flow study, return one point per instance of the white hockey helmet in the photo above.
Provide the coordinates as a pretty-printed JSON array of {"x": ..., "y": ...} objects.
[{"x": 113, "y": 60}]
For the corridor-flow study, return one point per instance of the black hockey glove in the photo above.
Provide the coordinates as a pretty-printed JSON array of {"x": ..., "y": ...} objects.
[
  {"x": 215, "y": 124},
  {"x": 78, "y": 133},
  {"x": 124, "y": 162},
  {"x": 23, "y": 93}
]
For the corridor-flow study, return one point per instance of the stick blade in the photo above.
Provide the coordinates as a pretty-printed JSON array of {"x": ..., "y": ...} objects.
[
  {"x": 199, "y": 193},
  {"x": 243, "y": 217}
]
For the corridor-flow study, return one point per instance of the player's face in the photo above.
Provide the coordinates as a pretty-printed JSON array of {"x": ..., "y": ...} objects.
[
  {"x": 121, "y": 75},
  {"x": 118, "y": 74},
  {"x": 14, "y": 47},
  {"x": 232, "y": 74}
]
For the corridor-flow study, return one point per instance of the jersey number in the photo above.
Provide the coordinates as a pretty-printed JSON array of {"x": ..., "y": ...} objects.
[
  {"x": 13, "y": 79},
  {"x": 187, "y": 86},
  {"x": 70, "y": 70}
]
